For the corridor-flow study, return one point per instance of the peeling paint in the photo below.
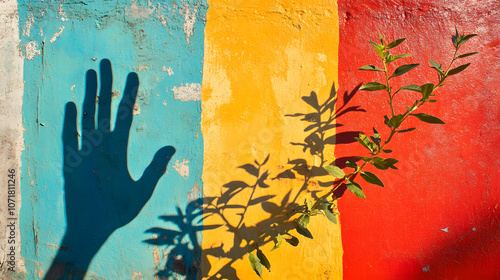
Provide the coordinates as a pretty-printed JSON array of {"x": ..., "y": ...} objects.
[
  {"x": 189, "y": 92},
  {"x": 182, "y": 167},
  {"x": 57, "y": 34},
  {"x": 445, "y": 229},
  {"x": 189, "y": 20},
  {"x": 195, "y": 193},
  {"x": 137, "y": 11},
  {"x": 31, "y": 50},
  {"x": 156, "y": 256},
  {"x": 27, "y": 26},
  {"x": 136, "y": 110}
]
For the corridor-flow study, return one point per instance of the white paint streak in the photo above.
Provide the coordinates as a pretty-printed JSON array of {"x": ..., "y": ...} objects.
[
  {"x": 11, "y": 128},
  {"x": 31, "y": 50},
  {"x": 189, "y": 20},
  {"x": 189, "y": 92},
  {"x": 57, "y": 34},
  {"x": 27, "y": 25},
  {"x": 182, "y": 167},
  {"x": 137, "y": 11},
  {"x": 62, "y": 13}
]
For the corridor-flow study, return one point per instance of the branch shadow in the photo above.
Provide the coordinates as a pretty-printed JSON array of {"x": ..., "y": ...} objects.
[{"x": 183, "y": 249}]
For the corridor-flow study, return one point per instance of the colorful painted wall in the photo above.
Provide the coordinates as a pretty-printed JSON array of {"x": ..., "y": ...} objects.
[{"x": 160, "y": 140}]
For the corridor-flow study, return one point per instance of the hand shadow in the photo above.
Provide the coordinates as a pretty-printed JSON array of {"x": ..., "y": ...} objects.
[{"x": 100, "y": 194}]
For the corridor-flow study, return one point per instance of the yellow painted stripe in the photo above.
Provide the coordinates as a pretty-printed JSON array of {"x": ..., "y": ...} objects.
[{"x": 261, "y": 57}]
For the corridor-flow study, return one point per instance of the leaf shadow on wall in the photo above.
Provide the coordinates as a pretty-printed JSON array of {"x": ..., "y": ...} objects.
[
  {"x": 183, "y": 250},
  {"x": 100, "y": 194}
]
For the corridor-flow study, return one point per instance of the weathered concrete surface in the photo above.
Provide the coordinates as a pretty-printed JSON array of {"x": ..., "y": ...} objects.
[{"x": 11, "y": 141}]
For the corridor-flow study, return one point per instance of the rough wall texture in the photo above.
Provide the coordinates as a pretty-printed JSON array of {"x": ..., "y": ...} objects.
[
  {"x": 261, "y": 57},
  {"x": 162, "y": 41},
  {"x": 438, "y": 216},
  {"x": 11, "y": 143}
]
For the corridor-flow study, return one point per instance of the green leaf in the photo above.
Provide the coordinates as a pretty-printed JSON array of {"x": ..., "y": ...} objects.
[
  {"x": 391, "y": 58},
  {"x": 378, "y": 48},
  {"x": 370, "y": 68},
  {"x": 381, "y": 38},
  {"x": 335, "y": 171},
  {"x": 371, "y": 178},
  {"x": 427, "y": 118},
  {"x": 363, "y": 140},
  {"x": 465, "y": 39},
  {"x": 427, "y": 90},
  {"x": 431, "y": 100},
  {"x": 308, "y": 204},
  {"x": 292, "y": 240},
  {"x": 255, "y": 263},
  {"x": 326, "y": 209},
  {"x": 304, "y": 221},
  {"x": 384, "y": 163},
  {"x": 303, "y": 231},
  {"x": 437, "y": 66},
  {"x": 351, "y": 164},
  {"x": 279, "y": 240},
  {"x": 458, "y": 69},
  {"x": 406, "y": 130},
  {"x": 263, "y": 259},
  {"x": 395, "y": 43},
  {"x": 467, "y": 54},
  {"x": 387, "y": 151},
  {"x": 412, "y": 88},
  {"x": 376, "y": 137},
  {"x": 365, "y": 159},
  {"x": 396, "y": 120},
  {"x": 355, "y": 188},
  {"x": 403, "y": 69},
  {"x": 373, "y": 86}
]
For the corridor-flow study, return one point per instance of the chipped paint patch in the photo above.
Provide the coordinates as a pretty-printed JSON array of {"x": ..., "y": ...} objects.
[
  {"x": 137, "y": 11},
  {"x": 426, "y": 269},
  {"x": 445, "y": 229},
  {"x": 170, "y": 71},
  {"x": 41, "y": 274},
  {"x": 136, "y": 109},
  {"x": 156, "y": 256},
  {"x": 182, "y": 168},
  {"x": 73, "y": 87},
  {"x": 195, "y": 193},
  {"x": 189, "y": 92},
  {"x": 27, "y": 26},
  {"x": 57, "y": 34},
  {"x": 136, "y": 274},
  {"x": 142, "y": 68},
  {"x": 189, "y": 20},
  {"x": 31, "y": 50},
  {"x": 62, "y": 12}
]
